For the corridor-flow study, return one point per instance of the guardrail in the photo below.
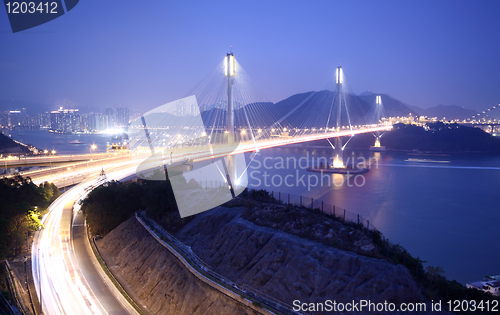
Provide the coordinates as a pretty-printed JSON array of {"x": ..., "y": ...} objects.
[
  {"x": 5, "y": 307},
  {"x": 194, "y": 262},
  {"x": 14, "y": 292}
]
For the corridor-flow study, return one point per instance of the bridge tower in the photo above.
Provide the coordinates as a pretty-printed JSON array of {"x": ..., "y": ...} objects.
[
  {"x": 378, "y": 103},
  {"x": 338, "y": 161},
  {"x": 378, "y": 117},
  {"x": 230, "y": 73}
]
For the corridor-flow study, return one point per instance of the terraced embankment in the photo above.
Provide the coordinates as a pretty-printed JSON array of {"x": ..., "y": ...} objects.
[
  {"x": 293, "y": 268},
  {"x": 160, "y": 282},
  {"x": 276, "y": 263}
]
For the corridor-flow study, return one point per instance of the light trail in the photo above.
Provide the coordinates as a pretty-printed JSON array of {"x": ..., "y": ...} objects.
[
  {"x": 266, "y": 144},
  {"x": 53, "y": 268},
  {"x": 57, "y": 275}
]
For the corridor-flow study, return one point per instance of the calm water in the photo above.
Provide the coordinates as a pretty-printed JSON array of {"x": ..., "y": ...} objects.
[
  {"x": 446, "y": 213},
  {"x": 45, "y": 140}
]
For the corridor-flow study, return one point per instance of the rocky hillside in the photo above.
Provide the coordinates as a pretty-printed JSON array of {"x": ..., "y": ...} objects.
[
  {"x": 292, "y": 268},
  {"x": 282, "y": 265},
  {"x": 158, "y": 279}
]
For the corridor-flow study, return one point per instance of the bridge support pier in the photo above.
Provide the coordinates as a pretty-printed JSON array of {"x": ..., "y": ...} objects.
[{"x": 338, "y": 159}]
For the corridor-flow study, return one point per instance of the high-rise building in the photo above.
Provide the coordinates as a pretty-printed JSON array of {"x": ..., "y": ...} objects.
[
  {"x": 111, "y": 116},
  {"x": 122, "y": 117},
  {"x": 65, "y": 120},
  {"x": 45, "y": 120},
  {"x": 98, "y": 122},
  {"x": 14, "y": 119},
  {"x": 4, "y": 119},
  {"x": 25, "y": 120}
]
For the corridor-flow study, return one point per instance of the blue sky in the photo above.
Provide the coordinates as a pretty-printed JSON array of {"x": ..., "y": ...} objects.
[{"x": 147, "y": 53}]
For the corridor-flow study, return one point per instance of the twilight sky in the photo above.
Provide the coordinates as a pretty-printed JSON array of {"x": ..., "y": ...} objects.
[{"x": 147, "y": 53}]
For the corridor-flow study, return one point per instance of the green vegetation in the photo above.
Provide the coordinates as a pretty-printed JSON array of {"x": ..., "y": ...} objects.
[
  {"x": 21, "y": 202},
  {"x": 108, "y": 206}
]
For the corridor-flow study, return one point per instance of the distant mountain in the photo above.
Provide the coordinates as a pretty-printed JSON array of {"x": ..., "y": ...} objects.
[
  {"x": 392, "y": 107},
  {"x": 314, "y": 109},
  {"x": 318, "y": 109},
  {"x": 416, "y": 109},
  {"x": 448, "y": 111}
]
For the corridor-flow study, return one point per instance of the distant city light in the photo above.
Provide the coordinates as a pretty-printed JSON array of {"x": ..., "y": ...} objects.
[{"x": 113, "y": 131}]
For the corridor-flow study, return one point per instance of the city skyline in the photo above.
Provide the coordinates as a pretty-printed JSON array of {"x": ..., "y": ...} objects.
[
  {"x": 66, "y": 120},
  {"x": 424, "y": 54}
]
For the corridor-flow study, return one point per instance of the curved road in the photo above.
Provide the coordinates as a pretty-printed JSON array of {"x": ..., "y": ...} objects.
[{"x": 64, "y": 273}]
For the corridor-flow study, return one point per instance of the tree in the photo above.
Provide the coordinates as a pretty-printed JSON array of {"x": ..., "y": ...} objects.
[{"x": 20, "y": 204}]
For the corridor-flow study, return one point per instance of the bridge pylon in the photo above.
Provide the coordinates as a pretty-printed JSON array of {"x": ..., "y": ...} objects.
[
  {"x": 378, "y": 117},
  {"x": 338, "y": 160},
  {"x": 230, "y": 73}
]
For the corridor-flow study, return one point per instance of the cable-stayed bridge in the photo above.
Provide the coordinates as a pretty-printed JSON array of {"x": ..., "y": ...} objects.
[
  {"x": 223, "y": 117},
  {"x": 226, "y": 115}
]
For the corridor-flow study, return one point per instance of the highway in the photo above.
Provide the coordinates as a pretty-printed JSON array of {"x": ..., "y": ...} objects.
[{"x": 65, "y": 276}]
